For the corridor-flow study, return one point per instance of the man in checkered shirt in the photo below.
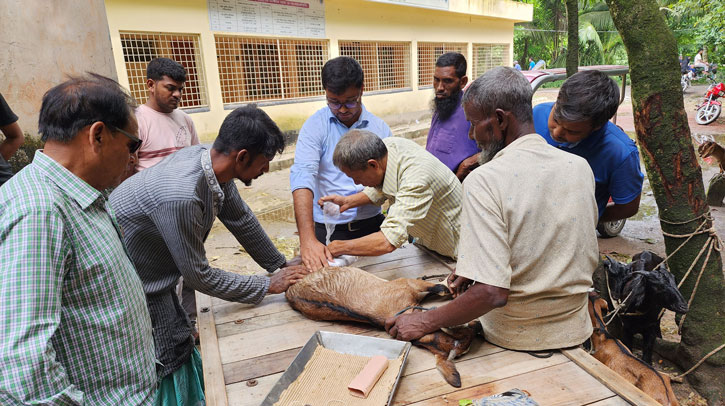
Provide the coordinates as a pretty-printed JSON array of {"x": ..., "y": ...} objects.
[{"x": 75, "y": 326}]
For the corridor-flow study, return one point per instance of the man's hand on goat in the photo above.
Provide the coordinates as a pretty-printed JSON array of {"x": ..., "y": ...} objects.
[
  {"x": 286, "y": 277},
  {"x": 315, "y": 254},
  {"x": 457, "y": 284},
  {"x": 408, "y": 327}
]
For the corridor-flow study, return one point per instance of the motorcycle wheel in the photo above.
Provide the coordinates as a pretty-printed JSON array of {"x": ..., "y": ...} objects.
[
  {"x": 708, "y": 113},
  {"x": 610, "y": 229}
]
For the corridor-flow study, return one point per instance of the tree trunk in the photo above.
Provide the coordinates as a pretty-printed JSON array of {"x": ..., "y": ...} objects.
[
  {"x": 572, "y": 46},
  {"x": 676, "y": 180},
  {"x": 555, "y": 52},
  {"x": 525, "y": 57}
]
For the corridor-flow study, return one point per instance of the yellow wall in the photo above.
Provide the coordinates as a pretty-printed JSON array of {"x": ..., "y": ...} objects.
[{"x": 345, "y": 20}]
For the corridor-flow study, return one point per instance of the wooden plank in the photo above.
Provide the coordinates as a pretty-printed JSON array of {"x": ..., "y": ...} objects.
[
  {"x": 213, "y": 375},
  {"x": 274, "y": 339},
  {"x": 609, "y": 378},
  {"x": 476, "y": 371},
  {"x": 613, "y": 401},
  {"x": 259, "y": 322},
  {"x": 564, "y": 384},
  {"x": 418, "y": 360},
  {"x": 239, "y": 394},
  {"x": 231, "y": 311}
]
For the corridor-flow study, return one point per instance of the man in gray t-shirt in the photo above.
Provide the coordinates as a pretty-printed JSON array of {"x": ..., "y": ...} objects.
[{"x": 13, "y": 139}]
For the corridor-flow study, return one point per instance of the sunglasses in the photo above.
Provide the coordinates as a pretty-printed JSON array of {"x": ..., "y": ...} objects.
[
  {"x": 337, "y": 106},
  {"x": 136, "y": 141}
]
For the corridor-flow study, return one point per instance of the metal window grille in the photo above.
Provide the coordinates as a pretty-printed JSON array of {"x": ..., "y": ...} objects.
[
  {"x": 386, "y": 65},
  {"x": 262, "y": 69},
  {"x": 140, "y": 48},
  {"x": 488, "y": 56},
  {"x": 428, "y": 53}
]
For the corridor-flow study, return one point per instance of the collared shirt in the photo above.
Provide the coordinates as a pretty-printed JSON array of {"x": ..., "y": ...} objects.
[
  {"x": 611, "y": 154},
  {"x": 448, "y": 140},
  {"x": 313, "y": 168},
  {"x": 73, "y": 316},
  {"x": 166, "y": 213},
  {"x": 425, "y": 198},
  {"x": 528, "y": 225}
]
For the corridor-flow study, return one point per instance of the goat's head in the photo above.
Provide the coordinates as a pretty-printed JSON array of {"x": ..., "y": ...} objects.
[
  {"x": 617, "y": 273},
  {"x": 646, "y": 261},
  {"x": 661, "y": 284}
]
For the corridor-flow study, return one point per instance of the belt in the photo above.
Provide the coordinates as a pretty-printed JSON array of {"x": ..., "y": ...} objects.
[{"x": 356, "y": 224}]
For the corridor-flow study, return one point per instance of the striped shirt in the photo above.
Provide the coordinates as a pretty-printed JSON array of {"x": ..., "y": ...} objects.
[
  {"x": 75, "y": 326},
  {"x": 425, "y": 198},
  {"x": 162, "y": 134},
  {"x": 166, "y": 213}
]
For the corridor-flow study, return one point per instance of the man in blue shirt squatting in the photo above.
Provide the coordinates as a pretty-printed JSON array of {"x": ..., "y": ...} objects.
[
  {"x": 579, "y": 123},
  {"x": 313, "y": 174}
]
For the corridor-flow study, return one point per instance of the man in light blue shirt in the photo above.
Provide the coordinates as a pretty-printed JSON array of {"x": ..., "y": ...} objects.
[{"x": 313, "y": 174}]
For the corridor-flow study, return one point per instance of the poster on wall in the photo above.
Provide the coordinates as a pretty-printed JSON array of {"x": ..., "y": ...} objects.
[
  {"x": 303, "y": 18},
  {"x": 436, "y": 4}
]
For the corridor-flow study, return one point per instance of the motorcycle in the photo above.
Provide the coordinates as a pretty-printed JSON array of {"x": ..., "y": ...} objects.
[{"x": 710, "y": 108}]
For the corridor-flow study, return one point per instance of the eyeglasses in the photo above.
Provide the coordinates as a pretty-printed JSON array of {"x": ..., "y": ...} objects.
[
  {"x": 337, "y": 106},
  {"x": 136, "y": 141}
]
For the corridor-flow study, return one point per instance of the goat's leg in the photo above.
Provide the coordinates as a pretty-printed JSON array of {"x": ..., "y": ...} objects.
[{"x": 648, "y": 343}]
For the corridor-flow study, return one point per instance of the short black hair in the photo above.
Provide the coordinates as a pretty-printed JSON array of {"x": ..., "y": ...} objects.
[
  {"x": 81, "y": 101},
  {"x": 587, "y": 95},
  {"x": 455, "y": 59},
  {"x": 342, "y": 73},
  {"x": 160, "y": 67},
  {"x": 249, "y": 128}
]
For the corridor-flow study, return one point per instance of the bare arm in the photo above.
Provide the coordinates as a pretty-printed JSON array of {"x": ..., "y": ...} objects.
[
  {"x": 620, "y": 211},
  {"x": 478, "y": 300},
  {"x": 347, "y": 202},
  {"x": 314, "y": 254},
  {"x": 466, "y": 166},
  {"x": 13, "y": 140},
  {"x": 370, "y": 245}
]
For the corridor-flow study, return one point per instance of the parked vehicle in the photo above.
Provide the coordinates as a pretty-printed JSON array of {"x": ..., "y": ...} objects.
[{"x": 710, "y": 108}]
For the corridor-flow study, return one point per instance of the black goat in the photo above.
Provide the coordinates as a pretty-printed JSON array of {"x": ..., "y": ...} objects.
[{"x": 641, "y": 289}]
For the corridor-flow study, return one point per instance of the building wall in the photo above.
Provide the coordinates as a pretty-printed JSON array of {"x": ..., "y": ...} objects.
[
  {"x": 43, "y": 42},
  {"x": 345, "y": 20}
]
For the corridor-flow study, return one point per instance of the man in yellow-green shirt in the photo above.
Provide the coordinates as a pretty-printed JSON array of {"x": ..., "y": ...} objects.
[{"x": 425, "y": 196}]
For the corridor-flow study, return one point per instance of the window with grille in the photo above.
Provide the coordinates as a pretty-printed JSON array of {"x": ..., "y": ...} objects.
[
  {"x": 386, "y": 65},
  {"x": 488, "y": 56},
  {"x": 428, "y": 53},
  {"x": 140, "y": 48},
  {"x": 267, "y": 69}
]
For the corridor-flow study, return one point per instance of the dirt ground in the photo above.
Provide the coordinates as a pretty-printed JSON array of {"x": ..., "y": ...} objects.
[{"x": 642, "y": 232}]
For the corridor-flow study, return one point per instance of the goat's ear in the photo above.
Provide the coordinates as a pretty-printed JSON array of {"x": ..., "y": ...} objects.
[{"x": 638, "y": 289}]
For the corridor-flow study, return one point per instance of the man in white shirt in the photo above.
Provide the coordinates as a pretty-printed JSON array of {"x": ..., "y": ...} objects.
[{"x": 527, "y": 231}]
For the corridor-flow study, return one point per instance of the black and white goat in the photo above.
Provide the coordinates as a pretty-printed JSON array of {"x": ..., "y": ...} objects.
[{"x": 639, "y": 291}]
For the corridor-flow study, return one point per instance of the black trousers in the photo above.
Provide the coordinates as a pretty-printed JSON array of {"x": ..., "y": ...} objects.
[{"x": 352, "y": 230}]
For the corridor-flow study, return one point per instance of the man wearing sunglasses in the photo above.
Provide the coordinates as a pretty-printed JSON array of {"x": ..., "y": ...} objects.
[
  {"x": 76, "y": 327},
  {"x": 313, "y": 175}
]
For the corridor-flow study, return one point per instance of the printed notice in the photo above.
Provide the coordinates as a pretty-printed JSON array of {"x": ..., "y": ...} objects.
[
  {"x": 436, "y": 4},
  {"x": 287, "y": 18}
]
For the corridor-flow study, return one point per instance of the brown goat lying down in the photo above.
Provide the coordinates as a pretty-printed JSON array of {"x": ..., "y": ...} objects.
[
  {"x": 351, "y": 294},
  {"x": 612, "y": 353}
]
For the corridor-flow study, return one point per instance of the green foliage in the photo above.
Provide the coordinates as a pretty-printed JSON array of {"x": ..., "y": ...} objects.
[{"x": 25, "y": 153}]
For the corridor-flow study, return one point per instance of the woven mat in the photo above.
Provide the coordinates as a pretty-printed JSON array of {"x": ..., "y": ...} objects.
[{"x": 326, "y": 376}]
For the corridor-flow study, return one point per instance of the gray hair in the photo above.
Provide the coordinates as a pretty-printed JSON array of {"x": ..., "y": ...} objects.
[
  {"x": 502, "y": 88},
  {"x": 355, "y": 149}
]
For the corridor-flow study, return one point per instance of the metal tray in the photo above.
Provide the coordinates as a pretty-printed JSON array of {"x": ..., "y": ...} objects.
[{"x": 343, "y": 343}]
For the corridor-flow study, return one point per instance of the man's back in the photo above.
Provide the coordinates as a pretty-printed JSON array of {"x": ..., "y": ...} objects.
[
  {"x": 79, "y": 322},
  {"x": 528, "y": 225}
]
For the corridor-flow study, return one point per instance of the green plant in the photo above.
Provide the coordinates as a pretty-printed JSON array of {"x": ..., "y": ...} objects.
[{"x": 25, "y": 153}]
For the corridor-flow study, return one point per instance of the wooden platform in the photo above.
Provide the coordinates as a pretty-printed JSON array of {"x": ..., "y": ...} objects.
[{"x": 245, "y": 349}]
